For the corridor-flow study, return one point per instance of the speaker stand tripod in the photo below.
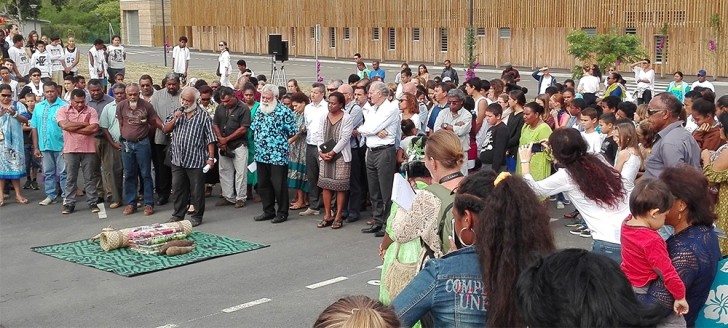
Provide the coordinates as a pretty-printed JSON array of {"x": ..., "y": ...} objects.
[{"x": 277, "y": 76}]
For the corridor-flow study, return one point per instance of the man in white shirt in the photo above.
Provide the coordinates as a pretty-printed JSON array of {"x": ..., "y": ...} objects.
[
  {"x": 55, "y": 51},
  {"x": 404, "y": 78},
  {"x": 544, "y": 78},
  {"x": 381, "y": 123},
  {"x": 702, "y": 82},
  {"x": 181, "y": 58},
  {"x": 312, "y": 115},
  {"x": 19, "y": 56}
]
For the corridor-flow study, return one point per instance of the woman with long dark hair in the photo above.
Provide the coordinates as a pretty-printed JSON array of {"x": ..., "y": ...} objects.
[
  {"x": 593, "y": 186},
  {"x": 491, "y": 248}
]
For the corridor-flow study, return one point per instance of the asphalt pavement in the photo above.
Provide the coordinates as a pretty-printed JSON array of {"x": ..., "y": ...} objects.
[{"x": 285, "y": 285}]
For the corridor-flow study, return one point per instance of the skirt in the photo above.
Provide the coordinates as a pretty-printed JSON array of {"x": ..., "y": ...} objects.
[{"x": 334, "y": 175}]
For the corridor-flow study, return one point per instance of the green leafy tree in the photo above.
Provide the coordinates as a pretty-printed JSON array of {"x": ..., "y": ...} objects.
[
  {"x": 603, "y": 49},
  {"x": 716, "y": 50},
  {"x": 21, "y": 9},
  {"x": 471, "y": 56}
]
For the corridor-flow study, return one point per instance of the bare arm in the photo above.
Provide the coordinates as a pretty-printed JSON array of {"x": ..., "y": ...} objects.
[{"x": 89, "y": 129}]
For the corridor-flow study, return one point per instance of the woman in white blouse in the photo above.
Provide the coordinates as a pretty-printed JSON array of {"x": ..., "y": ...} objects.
[
  {"x": 589, "y": 84},
  {"x": 224, "y": 68},
  {"x": 593, "y": 186},
  {"x": 645, "y": 77}
]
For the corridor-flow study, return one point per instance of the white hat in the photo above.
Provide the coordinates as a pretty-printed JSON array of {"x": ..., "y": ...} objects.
[{"x": 446, "y": 79}]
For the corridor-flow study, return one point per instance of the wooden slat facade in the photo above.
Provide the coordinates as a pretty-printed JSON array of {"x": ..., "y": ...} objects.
[{"x": 538, "y": 28}]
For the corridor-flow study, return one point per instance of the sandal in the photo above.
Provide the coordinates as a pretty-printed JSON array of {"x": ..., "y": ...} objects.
[
  {"x": 325, "y": 223},
  {"x": 292, "y": 207},
  {"x": 21, "y": 200},
  {"x": 337, "y": 224}
]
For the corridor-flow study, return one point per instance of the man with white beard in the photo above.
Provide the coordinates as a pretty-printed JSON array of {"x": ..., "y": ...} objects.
[
  {"x": 136, "y": 116},
  {"x": 192, "y": 149},
  {"x": 273, "y": 124}
]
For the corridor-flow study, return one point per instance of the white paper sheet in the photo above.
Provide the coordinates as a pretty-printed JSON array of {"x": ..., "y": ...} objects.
[
  {"x": 253, "y": 167},
  {"x": 402, "y": 192}
]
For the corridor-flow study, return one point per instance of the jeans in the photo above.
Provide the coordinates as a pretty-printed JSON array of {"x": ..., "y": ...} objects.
[
  {"x": 54, "y": 167},
  {"x": 86, "y": 162},
  {"x": 610, "y": 250},
  {"x": 234, "y": 174},
  {"x": 137, "y": 159}
]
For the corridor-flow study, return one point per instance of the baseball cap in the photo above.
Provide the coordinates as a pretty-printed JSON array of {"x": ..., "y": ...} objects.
[
  {"x": 446, "y": 79},
  {"x": 702, "y": 72}
]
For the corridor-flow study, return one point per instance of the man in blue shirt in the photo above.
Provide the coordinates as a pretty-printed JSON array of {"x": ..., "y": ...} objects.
[
  {"x": 48, "y": 142},
  {"x": 376, "y": 71}
]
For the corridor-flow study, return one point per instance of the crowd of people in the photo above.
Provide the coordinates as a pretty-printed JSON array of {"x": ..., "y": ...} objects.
[{"x": 643, "y": 169}]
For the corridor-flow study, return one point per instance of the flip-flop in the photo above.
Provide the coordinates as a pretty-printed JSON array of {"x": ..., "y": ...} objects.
[
  {"x": 21, "y": 200},
  {"x": 296, "y": 208}
]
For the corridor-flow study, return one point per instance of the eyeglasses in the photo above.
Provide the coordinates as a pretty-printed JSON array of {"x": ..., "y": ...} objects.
[
  {"x": 220, "y": 45},
  {"x": 6, "y": 95},
  {"x": 205, "y": 99},
  {"x": 651, "y": 111},
  {"x": 332, "y": 89}
]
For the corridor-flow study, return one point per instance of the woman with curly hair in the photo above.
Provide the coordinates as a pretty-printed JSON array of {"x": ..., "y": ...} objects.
[{"x": 593, "y": 186}]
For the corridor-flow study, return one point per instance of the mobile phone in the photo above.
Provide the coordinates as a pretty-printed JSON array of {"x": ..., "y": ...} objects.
[{"x": 536, "y": 148}]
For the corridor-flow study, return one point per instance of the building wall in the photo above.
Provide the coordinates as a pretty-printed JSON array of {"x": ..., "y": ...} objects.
[
  {"x": 150, "y": 16},
  {"x": 538, "y": 28}
]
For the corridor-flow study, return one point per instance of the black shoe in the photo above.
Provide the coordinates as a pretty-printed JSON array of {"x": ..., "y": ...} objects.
[
  {"x": 372, "y": 229},
  {"x": 263, "y": 217},
  {"x": 94, "y": 208},
  {"x": 162, "y": 200},
  {"x": 195, "y": 222},
  {"x": 174, "y": 219},
  {"x": 379, "y": 233},
  {"x": 280, "y": 219},
  {"x": 352, "y": 219},
  {"x": 100, "y": 200},
  {"x": 68, "y": 209},
  {"x": 27, "y": 185}
]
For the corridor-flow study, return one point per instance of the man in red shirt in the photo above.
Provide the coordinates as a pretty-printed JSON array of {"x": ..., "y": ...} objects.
[{"x": 79, "y": 123}]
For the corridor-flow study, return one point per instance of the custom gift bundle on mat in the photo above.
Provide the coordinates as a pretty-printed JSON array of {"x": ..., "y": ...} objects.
[{"x": 134, "y": 251}]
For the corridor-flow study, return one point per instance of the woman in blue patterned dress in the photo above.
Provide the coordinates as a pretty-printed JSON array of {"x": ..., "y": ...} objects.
[{"x": 12, "y": 149}]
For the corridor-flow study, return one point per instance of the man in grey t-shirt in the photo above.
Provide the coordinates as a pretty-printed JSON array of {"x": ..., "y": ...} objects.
[{"x": 673, "y": 145}]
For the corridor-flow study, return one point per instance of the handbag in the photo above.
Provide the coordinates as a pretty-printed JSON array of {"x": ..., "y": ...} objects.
[
  {"x": 217, "y": 72},
  {"x": 329, "y": 147},
  {"x": 398, "y": 275}
]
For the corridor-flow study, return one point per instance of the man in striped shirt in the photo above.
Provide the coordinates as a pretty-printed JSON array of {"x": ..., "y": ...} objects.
[{"x": 192, "y": 147}]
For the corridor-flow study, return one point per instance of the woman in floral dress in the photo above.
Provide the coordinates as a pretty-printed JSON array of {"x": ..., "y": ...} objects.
[{"x": 297, "y": 179}]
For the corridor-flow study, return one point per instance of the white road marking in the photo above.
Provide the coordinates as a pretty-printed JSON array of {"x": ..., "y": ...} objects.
[
  {"x": 171, "y": 325},
  {"x": 552, "y": 219},
  {"x": 380, "y": 267},
  {"x": 326, "y": 282},
  {"x": 246, "y": 305},
  {"x": 374, "y": 282}
]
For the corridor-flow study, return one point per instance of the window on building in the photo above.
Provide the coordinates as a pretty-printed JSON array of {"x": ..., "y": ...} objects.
[
  {"x": 504, "y": 32},
  {"x": 293, "y": 37},
  {"x": 347, "y": 33},
  {"x": 332, "y": 37},
  {"x": 630, "y": 30},
  {"x": 392, "y": 38},
  {"x": 313, "y": 32},
  {"x": 590, "y": 31},
  {"x": 660, "y": 46},
  {"x": 480, "y": 31},
  {"x": 416, "y": 34},
  {"x": 443, "y": 39},
  {"x": 375, "y": 33}
]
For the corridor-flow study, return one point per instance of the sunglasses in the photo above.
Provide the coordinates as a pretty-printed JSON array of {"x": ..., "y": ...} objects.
[
  {"x": 332, "y": 90},
  {"x": 6, "y": 95},
  {"x": 204, "y": 99},
  {"x": 651, "y": 111},
  {"x": 220, "y": 45}
]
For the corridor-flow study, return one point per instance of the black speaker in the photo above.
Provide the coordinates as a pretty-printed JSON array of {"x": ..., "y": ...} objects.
[
  {"x": 283, "y": 56},
  {"x": 274, "y": 44}
]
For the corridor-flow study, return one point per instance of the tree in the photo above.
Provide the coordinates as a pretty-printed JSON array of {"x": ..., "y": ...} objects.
[
  {"x": 715, "y": 45},
  {"x": 471, "y": 59},
  {"x": 21, "y": 8},
  {"x": 603, "y": 49}
]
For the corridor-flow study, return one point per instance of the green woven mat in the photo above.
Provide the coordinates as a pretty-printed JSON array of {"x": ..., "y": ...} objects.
[{"x": 127, "y": 263}]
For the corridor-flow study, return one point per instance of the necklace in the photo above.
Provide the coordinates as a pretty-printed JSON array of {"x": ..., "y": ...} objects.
[{"x": 449, "y": 177}]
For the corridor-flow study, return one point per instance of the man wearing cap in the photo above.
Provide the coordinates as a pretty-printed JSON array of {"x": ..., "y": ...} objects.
[
  {"x": 544, "y": 78},
  {"x": 702, "y": 82},
  {"x": 512, "y": 71}
]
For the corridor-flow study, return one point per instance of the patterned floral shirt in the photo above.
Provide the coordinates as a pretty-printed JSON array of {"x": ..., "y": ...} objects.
[{"x": 271, "y": 133}]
